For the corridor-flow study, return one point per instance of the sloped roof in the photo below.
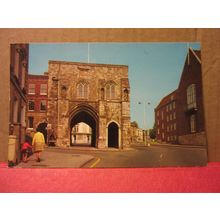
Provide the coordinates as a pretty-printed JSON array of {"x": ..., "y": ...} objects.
[
  {"x": 196, "y": 53},
  {"x": 167, "y": 99}
]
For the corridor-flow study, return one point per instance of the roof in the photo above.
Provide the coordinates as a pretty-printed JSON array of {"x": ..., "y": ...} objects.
[
  {"x": 45, "y": 75},
  {"x": 197, "y": 54},
  {"x": 86, "y": 64},
  {"x": 167, "y": 99}
]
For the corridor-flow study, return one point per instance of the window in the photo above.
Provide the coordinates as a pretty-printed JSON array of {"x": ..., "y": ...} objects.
[
  {"x": 158, "y": 113},
  {"x": 171, "y": 118},
  {"x": 43, "y": 89},
  {"x": 167, "y": 107},
  {"x": 170, "y": 106},
  {"x": 162, "y": 115},
  {"x": 191, "y": 96},
  {"x": 31, "y": 106},
  {"x": 82, "y": 90},
  {"x": 31, "y": 89},
  {"x": 168, "y": 128},
  {"x": 163, "y": 135},
  {"x": 163, "y": 125},
  {"x": 174, "y": 105},
  {"x": 30, "y": 122},
  {"x": 158, "y": 122},
  {"x": 174, "y": 126},
  {"x": 171, "y": 127},
  {"x": 158, "y": 131},
  {"x": 43, "y": 105},
  {"x": 174, "y": 115},
  {"x": 15, "y": 111},
  {"x": 110, "y": 91},
  {"x": 192, "y": 123}
]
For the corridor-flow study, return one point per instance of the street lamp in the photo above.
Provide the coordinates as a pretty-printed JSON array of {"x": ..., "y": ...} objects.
[{"x": 146, "y": 143}]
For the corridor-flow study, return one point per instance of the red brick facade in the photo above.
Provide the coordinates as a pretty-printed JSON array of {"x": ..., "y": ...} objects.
[
  {"x": 187, "y": 126},
  {"x": 37, "y": 100},
  {"x": 165, "y": 118}
]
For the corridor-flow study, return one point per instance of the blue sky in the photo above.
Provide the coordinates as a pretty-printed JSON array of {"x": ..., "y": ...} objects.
[{"x": 154, "y": 68}]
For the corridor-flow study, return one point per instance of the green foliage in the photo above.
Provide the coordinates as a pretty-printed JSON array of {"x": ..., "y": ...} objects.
[
  {"x": 152, "y": 132},
  {"x": 134, "y": 124}
]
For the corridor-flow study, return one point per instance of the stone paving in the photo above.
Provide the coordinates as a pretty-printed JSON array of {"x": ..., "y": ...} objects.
[{"x": 50, "y": 159}]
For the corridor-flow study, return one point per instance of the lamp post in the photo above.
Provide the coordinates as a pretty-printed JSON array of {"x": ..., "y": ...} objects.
[{"x": 146, "y": 143}]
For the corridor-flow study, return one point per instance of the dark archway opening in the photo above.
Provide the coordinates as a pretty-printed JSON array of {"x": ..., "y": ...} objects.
[
  {"x": 43, "y": 129},
  {"x": 113, "y": 135},
  {"x": 84, "y": 116}
]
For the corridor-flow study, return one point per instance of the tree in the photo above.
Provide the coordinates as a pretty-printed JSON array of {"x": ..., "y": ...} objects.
[
  {"x": 134, "y": 124},
  {"x": 152, "y": 132}
]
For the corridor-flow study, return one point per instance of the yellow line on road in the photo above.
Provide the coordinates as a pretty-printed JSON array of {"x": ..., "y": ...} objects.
[{"x": 95, "y": 163}]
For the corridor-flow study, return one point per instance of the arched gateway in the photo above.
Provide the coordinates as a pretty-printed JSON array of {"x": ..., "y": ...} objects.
[
  {"x": 95, "y": 94},
  {"x": 87, "y": 115}
]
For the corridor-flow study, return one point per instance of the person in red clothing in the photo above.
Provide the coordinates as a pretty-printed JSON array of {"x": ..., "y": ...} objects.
[{"x": 24, "y": 150}]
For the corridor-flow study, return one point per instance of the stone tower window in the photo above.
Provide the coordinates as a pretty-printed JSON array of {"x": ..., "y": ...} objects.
[
  {"x": 102, "y": 93},
  {"x": 82, "y": 90},
  {"x": 110, "y": 91},
  {"x": 125, "y": 95}
]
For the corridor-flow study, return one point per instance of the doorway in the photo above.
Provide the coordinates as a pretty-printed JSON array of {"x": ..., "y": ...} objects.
[{"x": 113, "y": 135}]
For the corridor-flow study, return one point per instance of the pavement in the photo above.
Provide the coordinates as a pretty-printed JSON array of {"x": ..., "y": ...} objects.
[{"x": 60, "y": 159}]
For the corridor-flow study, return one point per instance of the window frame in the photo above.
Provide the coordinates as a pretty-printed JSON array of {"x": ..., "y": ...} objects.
[
  {"x": 43, "y": 93},
  {"x": 82, "y": 90},
  {"x": 34, "y": 88},
  {"x": 31, "y": 110},
  {"x": 110, "y": 91},
  {"x": 191, "y": 96},
  {"x": 192, "y": 122},
  {"x": 43, "y": 110}
]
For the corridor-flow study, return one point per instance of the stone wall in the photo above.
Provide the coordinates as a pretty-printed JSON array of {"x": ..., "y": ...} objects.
[
  {"x": 193, "y": 139},
  {"x": 63, "y": 98}
]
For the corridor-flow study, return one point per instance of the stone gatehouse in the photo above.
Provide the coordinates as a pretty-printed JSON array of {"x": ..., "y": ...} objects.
[{"x": 96, "y": 94}]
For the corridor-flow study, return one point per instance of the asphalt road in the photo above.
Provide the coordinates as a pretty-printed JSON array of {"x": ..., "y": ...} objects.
[{"x": 142, "y": 156}]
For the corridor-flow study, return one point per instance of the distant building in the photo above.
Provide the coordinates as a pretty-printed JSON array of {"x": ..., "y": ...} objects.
[
  {"x": 81, "y": 134},
  {"x": 18, "y": 101},
  {"x": 37, "y": 102},
  {"x": 137, "y": 134},
  {"x": 166, "y": 119},
  {"x": 179, "y": 116}
]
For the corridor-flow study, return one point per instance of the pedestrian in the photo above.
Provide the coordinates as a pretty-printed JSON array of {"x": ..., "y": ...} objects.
[
  {"x": 24, "y": 151},
  {"x": 28, "y": 138},
  {"x": 38, "y": 144}
]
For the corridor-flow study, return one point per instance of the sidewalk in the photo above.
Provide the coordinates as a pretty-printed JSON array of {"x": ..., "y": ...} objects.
[
  {"x": 51, "y": 159},
  {"x": 177, "y": 145}
]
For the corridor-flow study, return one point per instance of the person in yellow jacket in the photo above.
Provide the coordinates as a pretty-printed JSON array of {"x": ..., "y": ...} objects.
[{"x": 38, "y": 144}]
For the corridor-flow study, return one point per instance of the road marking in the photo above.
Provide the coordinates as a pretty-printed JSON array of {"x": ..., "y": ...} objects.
[{"x": 95, "y": 163}]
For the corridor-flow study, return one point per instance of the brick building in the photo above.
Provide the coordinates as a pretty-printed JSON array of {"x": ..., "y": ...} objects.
[
  {"x": 190, "y": 101},
  {"x": 96, "y": 94},
  {"x": 166, "y": 119},
  {"x": 37, "y": 102},
  {"x": 179, "y": 116},
  {"x": 18, "y": 101}
]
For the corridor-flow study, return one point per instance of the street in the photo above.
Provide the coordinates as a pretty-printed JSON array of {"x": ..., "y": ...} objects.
[{"x": 133, "y": 157}]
